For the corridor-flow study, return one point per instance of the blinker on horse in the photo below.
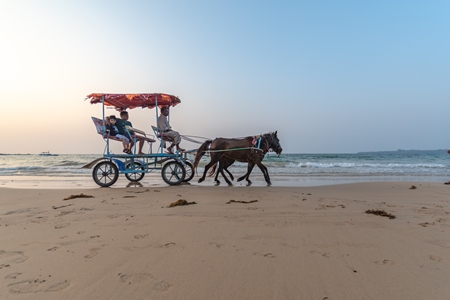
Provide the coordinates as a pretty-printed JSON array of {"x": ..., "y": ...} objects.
[{"x": 249, "y": 149}]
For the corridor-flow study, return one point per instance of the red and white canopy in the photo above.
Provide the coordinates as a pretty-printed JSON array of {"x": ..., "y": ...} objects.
[{"x": 129, "y": 101}]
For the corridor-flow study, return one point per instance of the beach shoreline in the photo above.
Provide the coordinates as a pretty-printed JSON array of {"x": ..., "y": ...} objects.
[
  {"x": 155, "y": 180},
  {"x": 315, "y": 242}
]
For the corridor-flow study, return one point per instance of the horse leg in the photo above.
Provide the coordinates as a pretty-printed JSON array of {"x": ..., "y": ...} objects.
[
  {"x": 229, "y": 173},
  {"x": 265, "y": 172},
  {"x": 229, "y": 162},
  {"x": 246, "y": 176},
  {"x": 214, "y": 159},
  {"x": 249, "y": 183},
  {"x": 219, "y": 170},
  {"x": 225, "y": 177},
  {"x": 216, "y": 180}
]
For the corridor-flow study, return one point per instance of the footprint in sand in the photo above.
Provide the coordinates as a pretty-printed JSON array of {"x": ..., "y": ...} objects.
[
  {"x": 53, "y": 249},
  {"x": 12, "y": 212},
  {"x": 39, "y": 220},
  {"x": 218, "y": 245},
  {"x": 167, "y": 245},
  {"x": 62, "y": 225},
  {"x": 436, "y": 258},
  {"x": 34, "y": 286},
  {"x": 162, "y": 286},
  {"x": 113, "y": 216},
  {"x": 26, "y": 286},
  {"x": 65, "y": 212},
  {"x": 136, "y": 278},
  {"x": 324, "y": 254},
  {"x": 426, "y": 224},
  {"x": 91, "y": 255},
  {"x": 95, "y": 251},
  {"x": 7, "y": 257},
  {"x": 58, "y": 286},
  {"x": 140, "y": 236},
  {"x": 12, "y": 275},
  {"x": 384, "y": 262},
  {"x": 268, "y": 255}
]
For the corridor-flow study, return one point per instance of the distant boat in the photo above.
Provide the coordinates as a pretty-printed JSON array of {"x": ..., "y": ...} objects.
[{"x": 47, "y": 153}]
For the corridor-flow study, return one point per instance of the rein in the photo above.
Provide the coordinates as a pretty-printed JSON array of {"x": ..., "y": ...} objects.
[
  {"x": 189, "y": 138},
  {"x": 234, "y": 149},
  {"x": 239, "y": 149}
]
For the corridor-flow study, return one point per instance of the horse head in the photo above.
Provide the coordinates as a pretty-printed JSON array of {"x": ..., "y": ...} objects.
[{"x": 274, "y": 142}]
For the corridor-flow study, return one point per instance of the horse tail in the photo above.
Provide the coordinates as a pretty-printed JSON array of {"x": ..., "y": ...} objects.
[
  {"x": 212, "y": 170},
  {"x": 200, "y": 152}
]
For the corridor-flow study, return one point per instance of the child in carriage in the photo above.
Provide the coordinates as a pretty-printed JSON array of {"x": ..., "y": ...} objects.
[{"x": 111, "y": 128}]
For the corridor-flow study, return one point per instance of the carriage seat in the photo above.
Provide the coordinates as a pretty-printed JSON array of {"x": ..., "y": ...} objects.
[
  {"x": 99, "y": 126},
  {"x": 161, "y": 135},
  {"x": 142, "y": 136}
]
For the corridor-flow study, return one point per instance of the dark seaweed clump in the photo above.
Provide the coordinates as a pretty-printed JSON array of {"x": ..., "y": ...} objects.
[
  {"x": 181, "y": 202},
  {"x": 78, "y": 196},
  {"x": 234, "y": 201},
  {"x": 379, "y": 212}
]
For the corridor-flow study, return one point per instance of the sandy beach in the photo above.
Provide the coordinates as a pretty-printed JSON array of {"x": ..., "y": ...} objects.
[{"x": 234, "y": 243}]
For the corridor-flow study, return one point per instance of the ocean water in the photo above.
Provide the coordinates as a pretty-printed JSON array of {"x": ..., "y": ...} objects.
[{"x": 428, "y": 165}]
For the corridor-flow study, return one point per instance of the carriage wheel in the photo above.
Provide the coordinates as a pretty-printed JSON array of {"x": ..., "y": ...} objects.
[
  {"x": 135, "y": 177},
  {"x": 190, "y": 172},
  {"x": 105, "y": 173},
  {"x": 173, "y": 173}
]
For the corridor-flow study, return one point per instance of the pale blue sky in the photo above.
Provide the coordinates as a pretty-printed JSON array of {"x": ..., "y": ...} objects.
[{"x": 330, "y": 76}]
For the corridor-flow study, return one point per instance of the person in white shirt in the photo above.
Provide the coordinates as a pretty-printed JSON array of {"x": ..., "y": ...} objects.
[{"x": 165, "y": 128}]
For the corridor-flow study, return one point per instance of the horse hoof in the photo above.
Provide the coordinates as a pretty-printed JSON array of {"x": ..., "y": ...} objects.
[
  {"x": 201, "y": 180},
  {"x": 249, "y": 183},
  {"x": 217, "y": 183},
  {"x": 230, "y": 184},
  {"x": 269, "y": 184}
]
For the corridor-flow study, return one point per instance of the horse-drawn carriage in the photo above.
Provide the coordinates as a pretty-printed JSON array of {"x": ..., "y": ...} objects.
[{"x": 175, "y": 167}]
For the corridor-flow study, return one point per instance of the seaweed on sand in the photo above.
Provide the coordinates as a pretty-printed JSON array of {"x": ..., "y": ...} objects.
[
  {"x": 379, "y": 212},
  {"x": 181, "y": 202},
  {"x": 245, "y": 202},
  {"x": 78, "y": 196}
]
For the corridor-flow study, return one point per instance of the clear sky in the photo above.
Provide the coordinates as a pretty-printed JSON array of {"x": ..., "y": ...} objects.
[{"x": 330, "y": 76}]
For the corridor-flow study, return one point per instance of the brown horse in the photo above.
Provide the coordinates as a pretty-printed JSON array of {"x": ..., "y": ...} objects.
[{"x": 249, "y": 149}]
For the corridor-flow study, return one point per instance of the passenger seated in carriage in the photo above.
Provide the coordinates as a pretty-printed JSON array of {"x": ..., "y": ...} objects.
[
  {"x": 165, "y": 128},
  {"x": 122, "y": 122},
  {"x": 112, "y": 130}
]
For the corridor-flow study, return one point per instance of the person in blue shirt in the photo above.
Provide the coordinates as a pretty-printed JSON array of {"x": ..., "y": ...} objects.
[{"x": 121, "y": 123}]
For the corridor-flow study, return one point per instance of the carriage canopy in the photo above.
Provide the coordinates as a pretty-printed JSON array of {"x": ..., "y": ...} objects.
[{"x": 129, "y": 101}]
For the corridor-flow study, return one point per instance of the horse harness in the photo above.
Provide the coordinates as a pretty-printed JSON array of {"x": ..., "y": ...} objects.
[{"x": 256, "y": 145}]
